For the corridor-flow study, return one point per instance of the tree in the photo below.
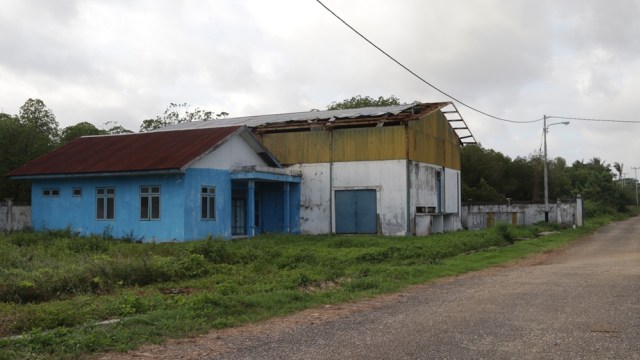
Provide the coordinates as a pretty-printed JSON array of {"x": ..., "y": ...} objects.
[
  {"x": 113, "y": 128},
  {"x": 19, "y": 143},
  {"x": 35, "y": 113},
  {"x": 619, "y": 168},
  {"x": 179, "y": 113},
  {"x": 23, "y": 137},
  {"x": 87, "y": 129},
  {"x": 482, "y": 192},
  {"x": 360, "y": 102},
  {"x": 80, "y": 129},
  {"x": 485, "y": 172},
  {"x": 488, "y": 175}
]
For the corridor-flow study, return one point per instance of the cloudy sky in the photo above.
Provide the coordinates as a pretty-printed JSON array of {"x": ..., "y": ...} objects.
[{"x": 125, "y": 61}]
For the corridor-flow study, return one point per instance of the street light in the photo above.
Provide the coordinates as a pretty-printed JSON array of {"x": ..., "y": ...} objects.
[
  {"x": 636, "y": 169},
  {"x": 545, "y": 129}
]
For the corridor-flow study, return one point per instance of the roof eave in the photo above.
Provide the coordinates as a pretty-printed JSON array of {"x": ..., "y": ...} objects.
[{"x": 97, "y": 174}]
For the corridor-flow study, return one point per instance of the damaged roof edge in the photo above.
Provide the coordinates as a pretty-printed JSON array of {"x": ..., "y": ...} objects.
[{"x": 310, "y": 117}]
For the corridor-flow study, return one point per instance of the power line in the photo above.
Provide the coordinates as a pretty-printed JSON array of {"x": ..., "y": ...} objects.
[
  {"x": 419, "y": 77},
  {"x": 588, "y": 119}
]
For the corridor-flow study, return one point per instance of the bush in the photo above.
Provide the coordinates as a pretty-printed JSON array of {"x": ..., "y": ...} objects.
[
  {"x": 192, "y": 266},
  {"x": 504, "y": 232},
  {"x": 25, "y": 238},
  {"x": 214, "y": 250},
  {"x": 595, "y": 208}
]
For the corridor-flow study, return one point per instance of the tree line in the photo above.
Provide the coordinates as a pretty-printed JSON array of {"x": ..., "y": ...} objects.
[
  {"x": 34, "y": 131},
  {"x": 490, "y": 176},
  {"x": 487, "y": 175}
]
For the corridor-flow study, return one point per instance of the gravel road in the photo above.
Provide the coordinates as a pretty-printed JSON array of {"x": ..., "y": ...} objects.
[{"x": 582, "y": 302}]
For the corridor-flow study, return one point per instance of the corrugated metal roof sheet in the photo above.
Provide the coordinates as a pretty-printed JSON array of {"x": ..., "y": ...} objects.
[
  {"x": 308, "y": 116},
  {"x": 152, "y": 151}
]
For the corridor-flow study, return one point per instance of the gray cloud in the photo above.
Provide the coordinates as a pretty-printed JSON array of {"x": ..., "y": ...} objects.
[{"x": 126, "y": 61}]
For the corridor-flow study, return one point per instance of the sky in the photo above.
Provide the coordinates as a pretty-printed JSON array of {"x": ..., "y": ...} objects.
[{"x": 126, "y": 61}]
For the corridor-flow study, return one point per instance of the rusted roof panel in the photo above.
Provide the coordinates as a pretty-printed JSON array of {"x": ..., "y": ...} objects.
[{"x": 144, "y": 152}]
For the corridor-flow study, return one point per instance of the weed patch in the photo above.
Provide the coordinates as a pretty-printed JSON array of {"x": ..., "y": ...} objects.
[{"x": 56, "y": 286}]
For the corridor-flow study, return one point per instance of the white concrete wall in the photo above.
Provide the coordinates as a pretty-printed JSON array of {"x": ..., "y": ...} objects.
[
  {"x": 423, "y": 185},
  {"x": 319, "y": 181},
  {"x": 476, "y": 217},
  {"x": 315, "y": 198},
  {"x": 235, "y": 152},
  {"x": 422, "y": 178},
  {"x": 451, "y": 190},
  {"x": 14, "y": 218},
  {"x": 389, "y": 178}
]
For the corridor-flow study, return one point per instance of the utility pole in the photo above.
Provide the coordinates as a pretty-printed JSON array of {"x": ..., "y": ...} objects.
[
  {"x": 636, "y": 170},
  {"x": 546, "y": 182},
  {"x": 546, "y": 172}
]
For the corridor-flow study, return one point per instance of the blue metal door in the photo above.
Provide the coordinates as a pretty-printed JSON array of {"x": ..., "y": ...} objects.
[{"x": 356, "y": 211}]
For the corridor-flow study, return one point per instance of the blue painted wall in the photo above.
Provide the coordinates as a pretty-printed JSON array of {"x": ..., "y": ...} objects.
[
  {"x": 273, "y": 207},
  {"x": 195, "y": 227},
  {"x": 180, "y": 205},
  {"x": 79, "y": 213}
]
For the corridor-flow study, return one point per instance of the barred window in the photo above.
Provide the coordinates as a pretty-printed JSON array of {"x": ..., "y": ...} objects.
[
  {"x": 150, "y": 203},
  {"x": 106, "y": 203},
  {"x": 51, "y": 192},
  {"x": 208, "y": 208}
]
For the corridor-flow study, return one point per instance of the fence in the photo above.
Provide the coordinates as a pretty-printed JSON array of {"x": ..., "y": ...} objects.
[
  {"x": 13, "y": 217},
  {"x": 479, "y": 216}
]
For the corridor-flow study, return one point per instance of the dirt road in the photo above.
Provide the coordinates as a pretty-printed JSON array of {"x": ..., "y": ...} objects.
[{"x": 579, "y": 303}]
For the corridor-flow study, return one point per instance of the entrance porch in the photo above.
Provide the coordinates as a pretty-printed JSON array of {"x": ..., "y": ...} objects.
[{"x": 264, "y": 200}]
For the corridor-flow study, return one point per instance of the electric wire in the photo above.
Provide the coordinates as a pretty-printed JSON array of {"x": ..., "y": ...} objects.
[
  {"x": 453, "y": 97},
  {"x": 419, "y": 77}
]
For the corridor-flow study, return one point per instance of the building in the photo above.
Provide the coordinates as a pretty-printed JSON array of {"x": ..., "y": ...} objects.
[
  {"x": 164, "y": 186},
  {"x": 386, "y": 170},
  {"x": 389, "y": 170}
]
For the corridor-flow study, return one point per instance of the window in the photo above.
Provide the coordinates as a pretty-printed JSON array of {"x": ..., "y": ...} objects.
[
  {"x": 51, "y": 192},
  {"x": 105, "y": 203},
  {"x": 150, "y": 203},
  {"x": 76, "y": 192},
  {"x": 208, "y": 203}
]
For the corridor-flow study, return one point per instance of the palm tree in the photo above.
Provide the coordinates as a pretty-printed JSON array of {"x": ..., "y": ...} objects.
[{"x": 619, "y": 167}]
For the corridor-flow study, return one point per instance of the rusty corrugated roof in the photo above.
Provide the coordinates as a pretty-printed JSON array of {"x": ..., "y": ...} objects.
[{"x": 144, "y": 152}]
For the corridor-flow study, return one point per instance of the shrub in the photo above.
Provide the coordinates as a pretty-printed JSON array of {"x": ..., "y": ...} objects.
[
  {"x": 89, "y": 244},
  {"x": 192, "y": 266},
  {"x": 214, "y": 250},
  {"x": 25, "y": 238},
  {"x": 504, "y": 232}
]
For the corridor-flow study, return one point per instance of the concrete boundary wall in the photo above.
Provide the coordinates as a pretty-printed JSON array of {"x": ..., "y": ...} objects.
[
  {"x": 479, "y": 216},
  {"x": 14, "y": 218}
]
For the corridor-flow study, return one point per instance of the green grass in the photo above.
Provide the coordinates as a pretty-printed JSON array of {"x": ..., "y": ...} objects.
[{"x": 55, "y": 286}]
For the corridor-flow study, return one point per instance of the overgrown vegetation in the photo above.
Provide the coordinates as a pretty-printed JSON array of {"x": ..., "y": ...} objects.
[
  {"x": 490, "y": 176},
  {"x": 56, "y": 286}
]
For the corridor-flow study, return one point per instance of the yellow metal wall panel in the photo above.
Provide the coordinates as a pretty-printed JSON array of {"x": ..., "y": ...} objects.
[
  {"x": 299, "y": 147},
  {"x": 372, "y": 143},
  {"x": 433, "y": 141},
  {"x": 430, "y": 140}
]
